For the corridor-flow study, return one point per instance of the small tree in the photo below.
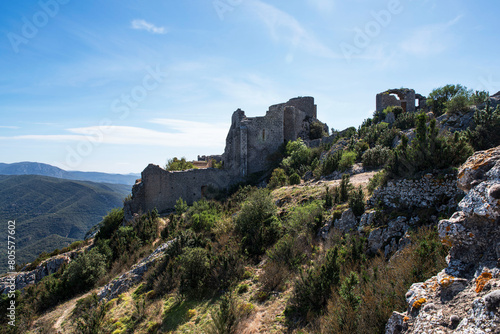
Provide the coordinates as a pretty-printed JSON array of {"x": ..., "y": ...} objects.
[
  {"x": 180, "y": 206},
  {"x": 345, "y": 188},
  {"x": 257, "y": 222},
  {"x": 294, "y": 179},
  {"x": 278, "y": 178},
  {"x": 357, "y": 201},
  {"x": 178, "y": 165}
]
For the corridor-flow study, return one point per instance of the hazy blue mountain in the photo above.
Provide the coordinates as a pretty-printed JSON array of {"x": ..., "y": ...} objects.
[
  {"x": 36, "y": 168},
  {"x": 51, "y": 212}
]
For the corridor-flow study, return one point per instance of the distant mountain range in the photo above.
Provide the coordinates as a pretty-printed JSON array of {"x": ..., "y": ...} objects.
[
  {"x": 36, "y": 168},
  {"x": 51, "y": 212}
]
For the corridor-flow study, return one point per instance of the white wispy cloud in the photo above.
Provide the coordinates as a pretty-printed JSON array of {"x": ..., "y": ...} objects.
[
  {"x": 144, "y": 25},
  {"x": 323, "y": 6},
  {"x": 9, "y": 127},
  {"x": 431, "y": 39},
  {"x": 286, "y": 29},
  {"x": 177, "y": 133}
]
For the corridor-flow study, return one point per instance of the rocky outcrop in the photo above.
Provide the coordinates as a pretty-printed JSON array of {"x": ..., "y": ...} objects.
[
  {"x": 45, "y": 268},
  {"x": 123, "y": 283},
  {"x": 465, "y": 296},
  {"x": 428, "y": 191},
  {"x": 390, "y": 238}
]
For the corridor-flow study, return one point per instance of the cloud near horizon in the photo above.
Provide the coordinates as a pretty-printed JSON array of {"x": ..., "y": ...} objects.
[
  {"x": 139, "y": 24},
  {"x": 179, "y": 133}
]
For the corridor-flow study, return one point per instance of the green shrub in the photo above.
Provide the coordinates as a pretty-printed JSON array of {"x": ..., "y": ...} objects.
[
  {"x": 405, "y": 121},
  {"x": 298, "y": 155},
  {"x": 89, "y": 316},
  {"x": 226, "y": 319},
  {"x": 278, "y": 178},
  {"x": 486, "y": 133},
  {"x": 295, "y": 179},
  {"x": 377, "y": 180},
  {"x": 287, "y": 252},
  {"x": 329, "y": 200},
  {"x": 84, "y": 272},
  {"x": 257, "y": 222},
  {"x": 242, "y": 288},
  {"x": 344, "y": 188},
  {"x": 376, "y": 157},
  {"x": 347, "y": 160},
  {"x": 458, "y": 104},
  {"x": 313, "y": 288},
  {"x": 307, "y": 218},
  {"x": 317, "y": 130},
  {"x": 180, "y": 206},
  {"x": 429, "y": 150},
  {"x": 357, "y": 201},
  {"x": 110, "y": 223},
  {"x": 331, "y": 163},
  {"x": 194, "y": 266},
  {"x": 178, "y": 165}
]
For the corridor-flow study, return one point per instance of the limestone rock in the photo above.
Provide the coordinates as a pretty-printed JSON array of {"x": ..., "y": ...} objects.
[
  {"x": 45, "y": 268},
  {"x": 366, "y": 219},
  {"x": 476, "y": 168},
  {"x": 387, "y": 238},
  {"x": 465, "y": 296},
  {"x": 134, "y": 275},
  {"x": 395, "y": 324},
  {"x": 347, "y": 221}
]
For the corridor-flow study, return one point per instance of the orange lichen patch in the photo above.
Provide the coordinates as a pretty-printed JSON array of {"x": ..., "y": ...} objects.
[
  {"x": 446, "y": 241},
  {"x": 482, "y": 280},
  {"x": 448, "y": 228},
  {"x": 446, "y": 281},
  {"x": 418, "y": 303},
  {"x": 406, "y": 318},
  {"x": 471, "y": 235}
]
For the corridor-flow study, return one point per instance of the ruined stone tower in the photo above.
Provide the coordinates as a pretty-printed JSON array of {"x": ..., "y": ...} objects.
[{"x": 252, "y": 140}]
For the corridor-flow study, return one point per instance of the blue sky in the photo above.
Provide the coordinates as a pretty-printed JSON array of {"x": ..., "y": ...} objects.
[{"x": 114, "y": 85}]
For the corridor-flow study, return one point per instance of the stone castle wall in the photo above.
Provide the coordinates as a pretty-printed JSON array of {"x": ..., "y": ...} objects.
[
  {"x": 250, "y": 143},
  {"x": 160, "y": 189}
]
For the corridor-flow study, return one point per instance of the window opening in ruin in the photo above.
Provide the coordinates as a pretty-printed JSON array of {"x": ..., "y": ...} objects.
[
  {"x": 204, "y": 191},
  {"x": 417, "y": 103},
  {"x": 263, "y": 134},
  {"x": 403, "y": 105}
]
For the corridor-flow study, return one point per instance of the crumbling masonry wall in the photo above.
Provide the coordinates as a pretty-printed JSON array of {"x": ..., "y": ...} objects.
[
  {"x": 160, "y": 188},
  {"x": 403, "y": 97},
  {"x": 250, "y": 143},
  {"x": 252, "y": 140}
]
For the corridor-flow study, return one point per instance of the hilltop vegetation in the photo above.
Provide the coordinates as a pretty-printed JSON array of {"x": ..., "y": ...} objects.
[
  {"x": 51, "y": 213},
  {"x": 260, "y": 259}
]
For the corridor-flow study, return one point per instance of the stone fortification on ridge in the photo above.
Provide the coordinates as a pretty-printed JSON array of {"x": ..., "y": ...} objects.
[{"x": 250, "y": 144}]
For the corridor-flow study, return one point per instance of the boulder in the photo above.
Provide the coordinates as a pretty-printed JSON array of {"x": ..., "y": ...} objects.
[{"x": 347, "y": 222}]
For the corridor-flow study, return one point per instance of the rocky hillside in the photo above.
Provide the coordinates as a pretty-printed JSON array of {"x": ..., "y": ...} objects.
[
  {"x": 465, "y": 296},
  {"x": 332, "y": 242}
]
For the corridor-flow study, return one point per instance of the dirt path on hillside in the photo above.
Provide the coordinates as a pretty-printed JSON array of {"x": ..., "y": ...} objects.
[
  {"x": 360, "y": 179},
  {"x": 60, "y": 314}
]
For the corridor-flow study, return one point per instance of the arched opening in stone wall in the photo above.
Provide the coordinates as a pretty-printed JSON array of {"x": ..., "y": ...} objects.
[
  {"x": 399, "y": 96},
  {"x": 204, "y": 191}
]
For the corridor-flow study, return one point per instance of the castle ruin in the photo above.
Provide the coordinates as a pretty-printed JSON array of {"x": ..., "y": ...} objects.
[
  {"x": 250, "y": 144},
  {"x": 404, "y": 97}
]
